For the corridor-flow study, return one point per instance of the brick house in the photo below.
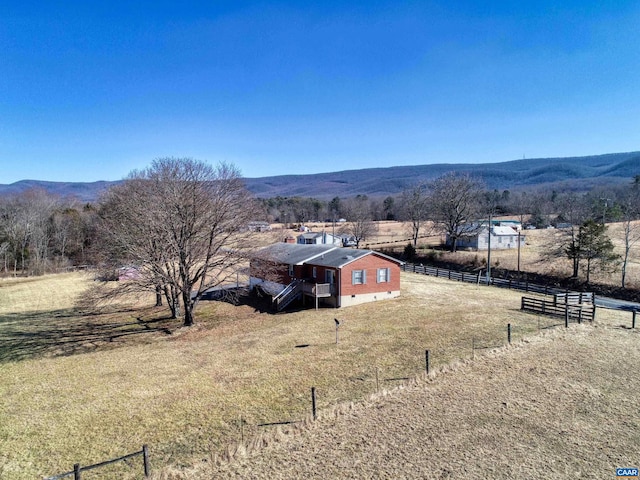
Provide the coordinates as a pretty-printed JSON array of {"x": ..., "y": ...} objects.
[{"x": 324, "y": 274}]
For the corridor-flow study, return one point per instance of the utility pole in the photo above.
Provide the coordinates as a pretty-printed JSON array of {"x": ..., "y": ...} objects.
[
  {"x": 519, "y": 239},
  {"x": 604, "y": 208},
  {"x": 489, "y": 250}
]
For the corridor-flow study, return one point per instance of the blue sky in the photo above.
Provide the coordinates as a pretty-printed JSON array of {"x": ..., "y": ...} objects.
[{"x": 92, "y": 92}]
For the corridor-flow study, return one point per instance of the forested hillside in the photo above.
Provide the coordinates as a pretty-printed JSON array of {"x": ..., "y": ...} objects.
[{"x": 577, "y": 174}]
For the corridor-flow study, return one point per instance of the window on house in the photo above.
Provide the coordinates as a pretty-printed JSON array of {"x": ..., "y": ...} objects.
[
  {"x": 384, "y": 275},
  {"x": 291, "y": 270},
  {"x": 313, "y": 272},
  {"x": 358, "y": 277}
]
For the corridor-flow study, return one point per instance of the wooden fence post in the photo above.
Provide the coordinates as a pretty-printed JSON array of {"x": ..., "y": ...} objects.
[
  {"x": 76, "y": 471},
  {"x": 509, "y": 333},
  {"x": 566, "y": 316},
  {"x": 633, "y": 320},
  {"x": 145, "y": 461},
  {"x": 313, "y": 402},
  {"x": 426, "y": 357}
]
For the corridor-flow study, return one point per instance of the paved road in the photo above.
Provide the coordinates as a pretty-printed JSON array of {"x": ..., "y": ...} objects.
[
  {"x": 604, "y": 302},
  {"x": 615, "y": 304}
]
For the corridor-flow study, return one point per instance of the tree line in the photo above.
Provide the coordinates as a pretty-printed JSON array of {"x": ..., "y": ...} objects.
[
  {"x": 183, "y": 225},
  {"x": 40, "y": 233}
]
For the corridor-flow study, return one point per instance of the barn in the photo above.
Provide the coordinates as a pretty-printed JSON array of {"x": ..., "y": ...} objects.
[{"x": 324, "y": 274}]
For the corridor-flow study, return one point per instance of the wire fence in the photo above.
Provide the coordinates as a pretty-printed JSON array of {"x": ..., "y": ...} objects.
[{"x": 78, "y": 469}]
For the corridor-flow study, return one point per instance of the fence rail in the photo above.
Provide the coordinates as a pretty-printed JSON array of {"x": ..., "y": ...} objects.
[
  {"x": 473, "y": 277},
  {"x": 576, "y": 312},
  {"x": 573, "y": 298},
  {"x": 77, "y": 469}
]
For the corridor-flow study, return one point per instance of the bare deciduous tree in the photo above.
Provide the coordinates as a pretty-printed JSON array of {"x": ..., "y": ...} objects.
[
  {"x": 630, "y": 204},
  {"x": 454, "y": 203},
  {"x": 573, "y": 210},
  {"x": 415, "y": 207},
  {"x": 361, "y": 224},
  {"x": 25, "y": 224},
  {"x": 183, "y": 224}
]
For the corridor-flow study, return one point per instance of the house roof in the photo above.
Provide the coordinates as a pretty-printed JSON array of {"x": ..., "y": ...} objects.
[
  {"x": 314, "y": 235},
  {"x": 473, "y": 230},
  {"x": 340, "y": 257},
  {"x": 504, "y": 230},
  {"x": 320, "y": 255},
  {"x": 293, "y": 253}
]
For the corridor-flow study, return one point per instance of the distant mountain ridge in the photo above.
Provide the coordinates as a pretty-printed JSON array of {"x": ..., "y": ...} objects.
[
  {"x": 573, "y": 173},
  {"x": 569, "y": 173},
  {"x": 83, "y": 191}
]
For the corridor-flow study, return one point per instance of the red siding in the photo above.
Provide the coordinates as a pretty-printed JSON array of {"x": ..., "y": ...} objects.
[
  {"x": 371, "y": 264},
  {"x": 279, "y": 273}
]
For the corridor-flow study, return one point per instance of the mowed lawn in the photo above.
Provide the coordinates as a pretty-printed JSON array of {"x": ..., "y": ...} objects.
[{"x": 81, "y": 385}]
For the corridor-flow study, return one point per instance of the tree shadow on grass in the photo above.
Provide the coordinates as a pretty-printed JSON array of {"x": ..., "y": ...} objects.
[{"x": 69, "y": 332}]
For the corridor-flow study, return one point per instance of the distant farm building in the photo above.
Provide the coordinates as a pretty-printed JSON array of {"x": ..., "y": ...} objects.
[
  {"x": 324, "y": 274},
  {"x": 477, "y": 238},
  {"x": 318, "y": 238},
  {"x": 259, "y": 227},
  {"x": 324, "y": 238}
]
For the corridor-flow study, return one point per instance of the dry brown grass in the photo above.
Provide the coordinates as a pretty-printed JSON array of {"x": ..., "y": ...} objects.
[
  {"x": 560, "y": 405},
  {"x": 533, "y": 257},
  {"x": 184, "y": 393}
]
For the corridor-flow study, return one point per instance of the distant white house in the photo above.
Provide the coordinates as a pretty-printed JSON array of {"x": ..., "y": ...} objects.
[
  {"x": 502, "y": 237},
  {"x": 318, "y": 238},
  {"x": 324, "y": 238},
  {"x": 259, "y": 226}
]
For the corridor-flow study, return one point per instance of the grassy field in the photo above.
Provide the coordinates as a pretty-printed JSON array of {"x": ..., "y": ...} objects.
[
  {"x": 82, "y": 386},
  {"x": 533, "y": 256},
  {"x": 560, "y": 405}
]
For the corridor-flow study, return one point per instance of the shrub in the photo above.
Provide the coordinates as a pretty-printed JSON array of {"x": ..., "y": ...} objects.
[{"x": 409, "y": 251}]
